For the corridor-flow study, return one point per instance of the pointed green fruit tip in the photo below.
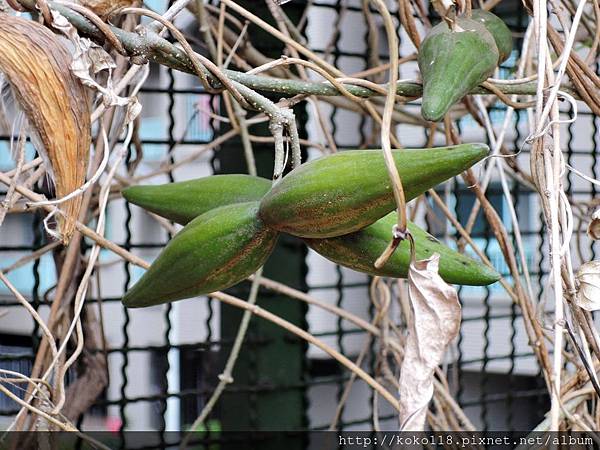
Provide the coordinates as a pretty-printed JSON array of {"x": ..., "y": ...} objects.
[
  {"x": 129, "y": 299},
  {"x": 135, "y": 297},
  {"x": 493, "y": 276},
  {"x": 137, "y": 194},
  {"x": 482, "y": 150},
  {"x": 128, "y": 192},
  {"x": 433, "y": 110},
  {"x": 470, "y": 154},
  {"x": 434, "y": 106},
  {"x": 487, "y": 276}
]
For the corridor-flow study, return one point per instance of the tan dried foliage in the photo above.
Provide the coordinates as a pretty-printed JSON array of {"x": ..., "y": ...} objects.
[
  {"x": 436, "y": 322},
  {"x": 593, "y": 230},
  {"x": 588, "y": 281},
  {"x": 37, "y": 66},
  {"x": 105, "y": 8}
]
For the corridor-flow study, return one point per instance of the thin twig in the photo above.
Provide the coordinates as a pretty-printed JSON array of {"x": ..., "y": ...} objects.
[
  {"x": 256, "y": 310},
  {"x": 148, "y": 44},
  {"x": 226, "y": 377},
  {"x": 20, "y": 155}
]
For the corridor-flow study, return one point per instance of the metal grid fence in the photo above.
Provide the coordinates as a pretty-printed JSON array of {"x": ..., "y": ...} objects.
[{"x": 496, "y": 382}]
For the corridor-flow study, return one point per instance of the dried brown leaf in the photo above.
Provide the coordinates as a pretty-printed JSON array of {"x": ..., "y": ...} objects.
[
  {"x": 436, "y": 322},
  {"x": 90, "y": 59},
  {"x": 37, "y": 66},
  {"x": 105, "y": 8},
  {"x": 588, "y": 292},
  {"x": 593, "y": 230}
]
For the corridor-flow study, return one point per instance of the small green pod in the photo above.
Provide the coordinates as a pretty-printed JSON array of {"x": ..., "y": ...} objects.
[
  {"x": 496, "y": 26},
  {"x": 344, "y": 192},
  {"x": 452, "y": 63},
  {"x": 360, "y": 250},
  {"x": 214, "y": 251},
  {"x": 183, "y": 201}
]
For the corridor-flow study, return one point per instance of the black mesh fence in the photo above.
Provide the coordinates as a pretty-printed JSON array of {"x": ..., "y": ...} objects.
[{"x": 163, "y": 362}]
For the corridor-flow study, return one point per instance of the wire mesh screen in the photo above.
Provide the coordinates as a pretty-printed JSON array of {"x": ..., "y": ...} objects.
[{"x": 163, "y": 362}]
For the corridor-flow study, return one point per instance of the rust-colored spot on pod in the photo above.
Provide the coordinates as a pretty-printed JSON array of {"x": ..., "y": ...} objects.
[{"x": 37, "y": 66}]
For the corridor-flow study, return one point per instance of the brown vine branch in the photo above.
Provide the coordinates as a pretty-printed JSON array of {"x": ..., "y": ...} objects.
[{"x": 148, "y": 45}]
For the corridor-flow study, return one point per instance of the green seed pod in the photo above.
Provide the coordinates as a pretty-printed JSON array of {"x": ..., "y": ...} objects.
[
  {"x": 344, "y": 192},
  {"x": 214, "y": 251},
  {"x": 452, "y": 63},
  {"x": 183, "y": 201},
  {"x": 360, "y": 250},
  {"x": 496, "y": 26}
]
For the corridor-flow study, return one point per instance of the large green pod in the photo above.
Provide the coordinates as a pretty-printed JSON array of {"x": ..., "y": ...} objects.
[
  {"x": 500, "y": 32},
  {"x": 183, "y": 201},
  {"x": 344, "y": 192},
  {"x": 452, "y": 63},
  {"x": 214, "y": 251},
  {"x": 360, "y": 250}
]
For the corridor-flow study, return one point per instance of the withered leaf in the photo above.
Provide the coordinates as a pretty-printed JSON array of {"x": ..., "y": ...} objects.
[
  {"x": 37, "y": 66},
  {"x": 105, "y": 8},
  {"x": 436, "y": 322},
  {"x": 588, "y": 291},
  {"x": 593, "y": 230}
]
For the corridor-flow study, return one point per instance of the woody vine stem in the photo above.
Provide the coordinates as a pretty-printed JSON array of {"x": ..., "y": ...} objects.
[{"x": 133, "y": 46}]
